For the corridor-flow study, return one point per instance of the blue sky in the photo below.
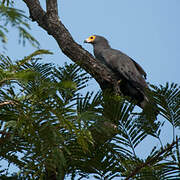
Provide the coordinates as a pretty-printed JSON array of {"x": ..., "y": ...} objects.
[{"x": 146, "y": 30}]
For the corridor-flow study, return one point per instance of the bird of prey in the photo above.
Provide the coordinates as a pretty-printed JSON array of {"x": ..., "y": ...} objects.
[{"x": 133, "y": 76}]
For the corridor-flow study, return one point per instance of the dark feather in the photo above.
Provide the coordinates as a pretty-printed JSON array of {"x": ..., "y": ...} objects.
[{"x": 129, "y": 71}]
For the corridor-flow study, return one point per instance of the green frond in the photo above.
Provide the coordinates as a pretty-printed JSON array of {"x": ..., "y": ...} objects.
[
  {"x": 71, "y": 76},
  {"x": 16, "y": 18},
  {"x": 24, "y": 35},
  {"x": 47, "y": 118},
  {"x": 17, "y": 71},
  {"x": 7, "y": 2},
  {"x": 3, "y": 37},
  {"x": 168, "y": 99},
  {"x": 5, "y": 62},
  {"x": 158, "y": 165},
  {"x": 31, "y": 56},
  {"x": 89, "y": 102},
  {"x": 74, "y": 73},
  {"x": 130, "y": 135}
]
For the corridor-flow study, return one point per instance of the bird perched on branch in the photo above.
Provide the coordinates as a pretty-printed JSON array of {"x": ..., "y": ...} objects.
[{"x": 132, "y": 75}]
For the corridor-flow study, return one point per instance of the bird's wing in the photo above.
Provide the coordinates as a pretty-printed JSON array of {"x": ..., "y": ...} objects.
[
  {"x": 140, "y": 69},
  {"x": 123, "y": 64}
]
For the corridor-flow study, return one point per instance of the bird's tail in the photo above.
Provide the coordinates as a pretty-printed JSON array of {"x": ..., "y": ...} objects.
[{"x": 149, "y": 106}]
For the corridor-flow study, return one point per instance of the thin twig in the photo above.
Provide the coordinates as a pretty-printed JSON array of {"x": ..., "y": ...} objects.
[
  {"x": 7, "y": 102},
  {"x": 152, "y": 160}
]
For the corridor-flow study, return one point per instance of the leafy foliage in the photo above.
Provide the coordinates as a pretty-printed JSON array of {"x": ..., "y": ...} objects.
[
  {"x": 168, "y": 98},
  {"x": 49, "y": 124},
  {"x": 51, "y": 127},
  {"x": 10, "y": 16}
]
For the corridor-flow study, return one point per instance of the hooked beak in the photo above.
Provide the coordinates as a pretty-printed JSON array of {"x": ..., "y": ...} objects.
[{"x": 88, "y": 40}]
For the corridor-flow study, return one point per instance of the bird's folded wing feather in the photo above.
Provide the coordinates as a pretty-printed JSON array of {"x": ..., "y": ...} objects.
[
  {"x": 140, "y": 69},
  {"x": 126, "y": 67}
]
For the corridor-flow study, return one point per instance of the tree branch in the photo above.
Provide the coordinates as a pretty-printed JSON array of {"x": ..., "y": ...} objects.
[
  {"x": 52, "y": 24},
  {"x": 103, "y": 75},
  {"x": 52, "y": 6},
  {"x": 35, "y": 10},
  {"x": 152, "y": 160}
]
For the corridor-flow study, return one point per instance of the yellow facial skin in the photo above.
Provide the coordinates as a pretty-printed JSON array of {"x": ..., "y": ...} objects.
[{"x": 90, "y": 39}]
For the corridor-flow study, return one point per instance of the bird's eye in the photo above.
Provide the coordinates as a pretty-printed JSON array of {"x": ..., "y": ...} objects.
[{"x": 91, "y": 39}]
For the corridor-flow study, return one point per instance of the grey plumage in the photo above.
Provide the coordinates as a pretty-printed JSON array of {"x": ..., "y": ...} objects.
[{"x": 132, "y": 74}]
